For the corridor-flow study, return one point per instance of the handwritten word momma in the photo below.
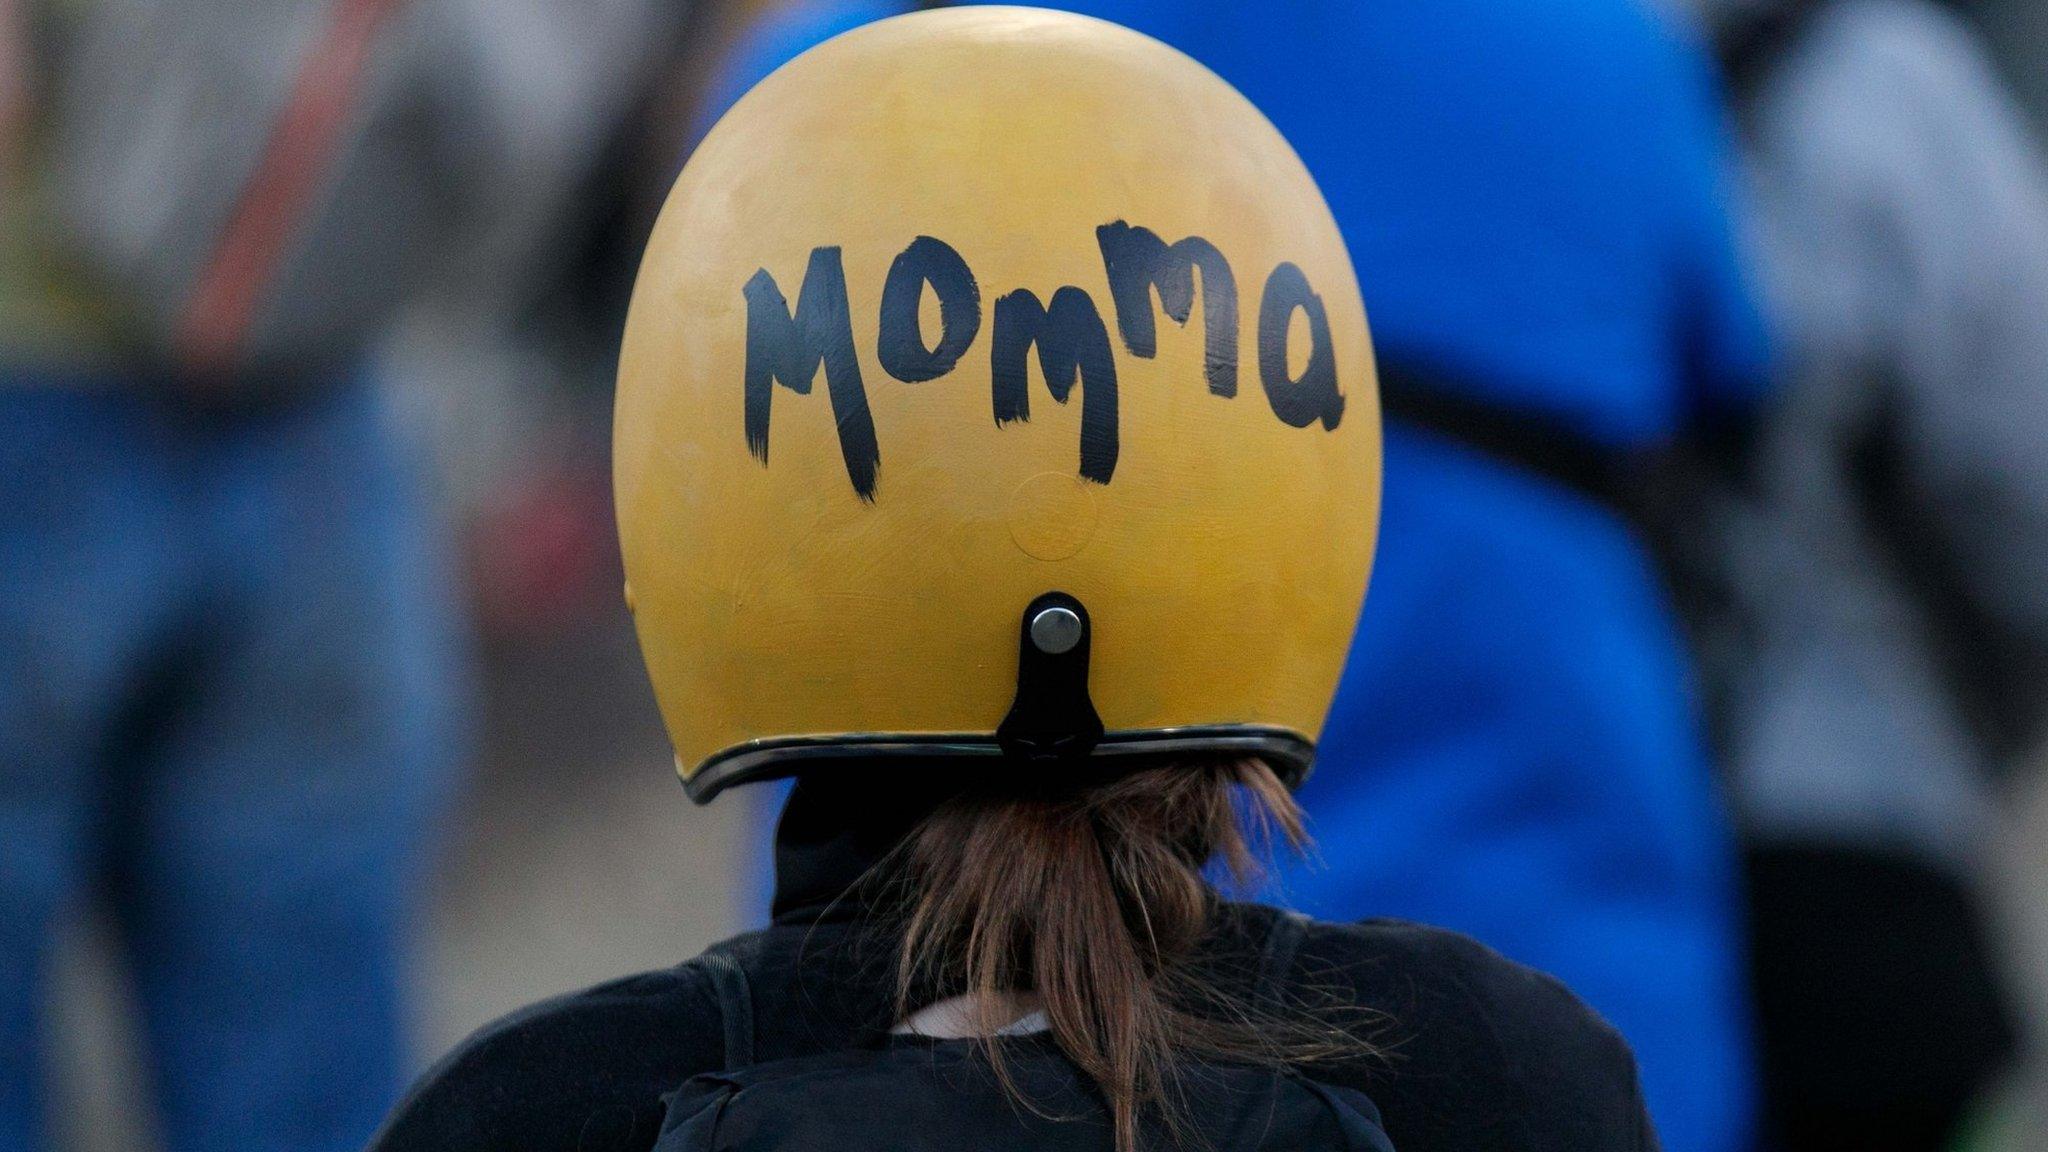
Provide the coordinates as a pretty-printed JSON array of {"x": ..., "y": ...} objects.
[{"x": 788, "y": 346}]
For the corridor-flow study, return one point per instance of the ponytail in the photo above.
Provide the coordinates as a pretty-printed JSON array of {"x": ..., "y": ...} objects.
[{"x": 1095, "y": 901}]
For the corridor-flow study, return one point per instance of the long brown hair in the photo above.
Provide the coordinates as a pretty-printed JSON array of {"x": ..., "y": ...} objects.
[{"x": 1094, "y": 899}]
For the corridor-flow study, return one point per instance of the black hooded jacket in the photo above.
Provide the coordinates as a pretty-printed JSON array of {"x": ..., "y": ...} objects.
[{"x": 1476, "y": 1053}]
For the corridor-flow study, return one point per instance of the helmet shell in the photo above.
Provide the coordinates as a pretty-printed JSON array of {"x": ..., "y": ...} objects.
[{"x": 836, "y": 495}]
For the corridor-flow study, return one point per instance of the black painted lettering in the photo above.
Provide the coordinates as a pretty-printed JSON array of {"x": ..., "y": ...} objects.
[
  {"x": 1072, "y": 345},
  {"x": 1138, "y": 262},
  {"x": 901, "y": 347},
  {"x": 1298, "y": 402},
  {"x": 787, "y": 347}
]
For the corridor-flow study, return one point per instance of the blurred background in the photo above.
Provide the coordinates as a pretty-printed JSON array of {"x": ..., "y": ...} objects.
[{"x": 323, "y": 734}]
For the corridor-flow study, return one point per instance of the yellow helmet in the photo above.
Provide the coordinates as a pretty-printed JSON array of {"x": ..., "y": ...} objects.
[{"x": 1024, "y": 523}]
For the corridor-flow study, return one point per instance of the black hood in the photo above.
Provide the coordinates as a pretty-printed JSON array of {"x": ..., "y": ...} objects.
[{"x": 838, "y": 826}]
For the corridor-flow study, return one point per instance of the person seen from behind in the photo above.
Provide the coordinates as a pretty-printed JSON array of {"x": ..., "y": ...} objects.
[{"x": 997, "y": 454}]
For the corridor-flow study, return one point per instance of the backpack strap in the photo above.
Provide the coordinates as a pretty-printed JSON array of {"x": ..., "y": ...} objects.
[
  {"x": 304, "y": 142},
  {"x": 1750, "y": 46},
  {"x": 1277, "y": 960},
  {"x": 735, "y": 1006},
  {"x": 1534, "y": 442}
]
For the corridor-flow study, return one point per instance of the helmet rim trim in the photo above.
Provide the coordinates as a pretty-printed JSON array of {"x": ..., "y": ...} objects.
[{"x": 1289, "y": 753}]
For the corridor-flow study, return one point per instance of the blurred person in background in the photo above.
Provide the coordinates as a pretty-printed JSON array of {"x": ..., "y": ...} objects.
[
  {"x": 1536, "y": 196},
  {"x": 230, "y": 678},
  {"x": 1878, "y": 660}
]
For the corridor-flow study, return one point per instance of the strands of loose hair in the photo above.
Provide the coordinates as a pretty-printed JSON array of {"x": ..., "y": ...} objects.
[{"x": 1094, "y": 900}]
